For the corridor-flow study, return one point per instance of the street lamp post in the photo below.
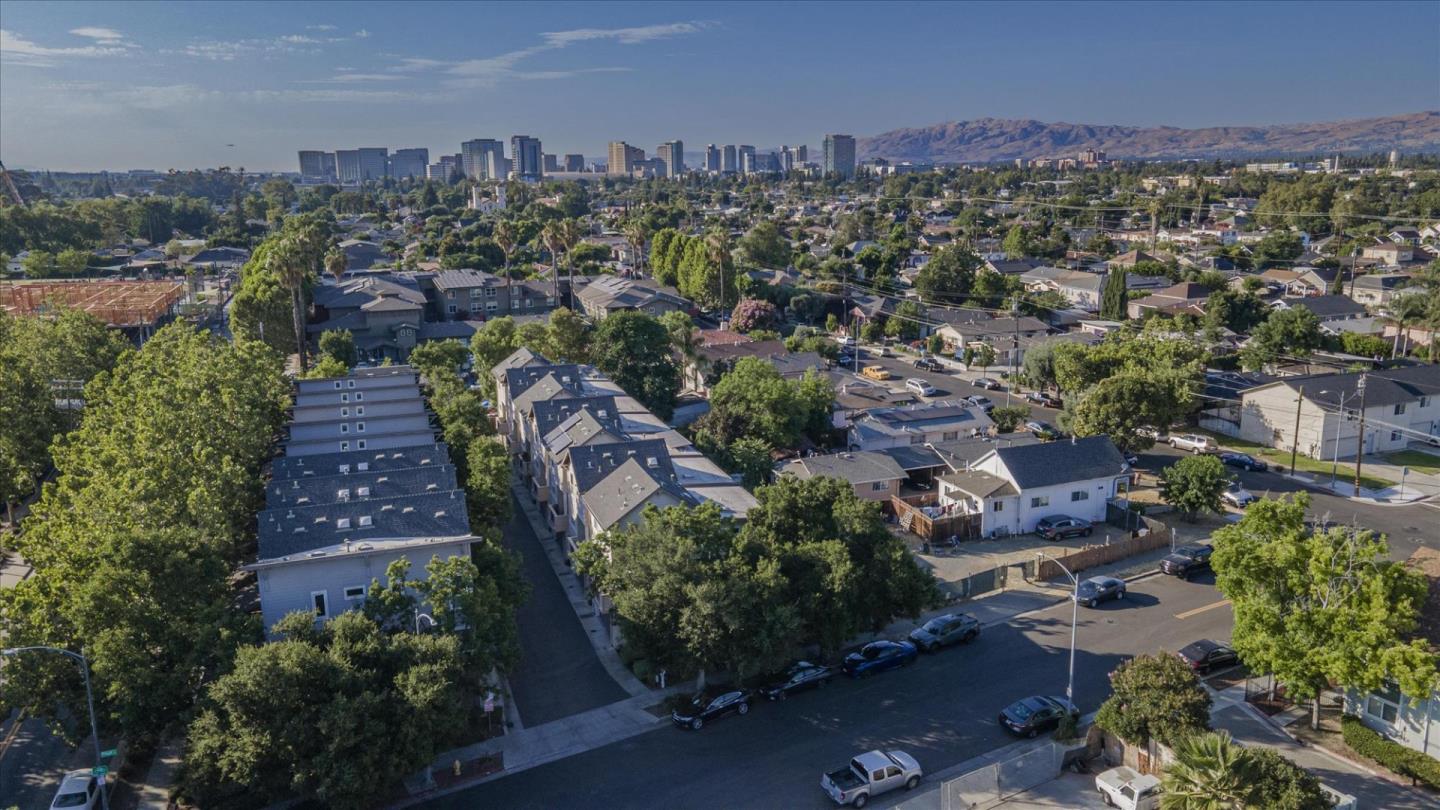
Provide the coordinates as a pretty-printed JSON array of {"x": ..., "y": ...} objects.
[
  {"x": 89, "y": 700},
  {"x": 1335, "y": 454},
  {"x": 426, "y": 616},
  {"x": 1074, "y": 619}
]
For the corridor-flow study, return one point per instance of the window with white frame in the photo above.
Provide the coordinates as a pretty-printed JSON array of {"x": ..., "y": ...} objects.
[
  {"x": 360, "y": 444},
  {"x": 1424, "y": 402},
  {"x": 997, "y": 506},
  {"x": 1394, "y": 435},
  {"x": 1384, "y": 703},
  {"x": 350, "y": 383},
  {"x": 1079, "y": 495},
  {"x": 344, "y": 446},
  {"x": 879, "y": 486},
  {"x": 344, "y": 397},
  {"x": 354, "y": 592},
  {"x": 344, "y": 412},
  {"x": 317, "y": 603},
  {"x": 489, "y": 292},
  {"x": 1039, "y": 501},
  {"x": 476, "y": 307},
  {"x": 359, "y": 410},
  {"x": 491, "y": 306},
  {"x": 337, "y": 385},
  {"x": 344, "y": 428},
  {"x": 451, "y": 309},
  {"x": 1399, "y": 408},
  {"x": 949, "y": 435},
  {"x": 359, "y": 396},
  {"x": 359, "y": 427}
]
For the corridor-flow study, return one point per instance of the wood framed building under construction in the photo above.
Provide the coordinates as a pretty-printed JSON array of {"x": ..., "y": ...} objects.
[{"x": 138, "y": 307}]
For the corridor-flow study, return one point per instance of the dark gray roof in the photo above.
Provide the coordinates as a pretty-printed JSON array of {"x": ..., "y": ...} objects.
[
  {"x": 913, "y": 457},
  {"x": 520, "y": 358},
  {"x": 550, "y": 413},
  {"x": 591, "y": 463},
  {"x": 284, "y": 531},
  {"x": 447, "y": 330},
  {"x": 980, "y": 484},
  {"x": 316, "y": 490},
  {"x": 1049, "y": 463},
  {"x": 857, "y": 467},
  {"x": 921, "y": 415},
  {"x": 583, "y": 428},
  {"x": 325, "y": 464},
  {"x": 1382, "y": 281},
  {"x": 519, "y": 380},
  {"x": 1327, "y": 306},
  {"x": 462, "y": 279},
  {"x": 628, "y": 487},
  {"x": 960, "y": 453},
  {"x": 1390, "y": 386}
]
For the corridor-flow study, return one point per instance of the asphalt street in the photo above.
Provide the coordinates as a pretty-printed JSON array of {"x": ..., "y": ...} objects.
[
  {"x": 558, "y": 674},
  {"x": 942, "y": 710}
]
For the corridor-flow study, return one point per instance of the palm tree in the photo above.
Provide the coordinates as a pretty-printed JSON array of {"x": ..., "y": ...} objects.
[
  {"x": 570, "y": 233},
  {"x": 1210, "y": 772},
  {"x": 288, "y": 261},
  {"x": 635, "y": 232},
  {"x": 1405, "y": 311},
  {"x": 336, "y": 263},
  {"x": 504, "y": 237},
  {"x": 717, "y": 250},
  {"x": 550, "y": 235}
]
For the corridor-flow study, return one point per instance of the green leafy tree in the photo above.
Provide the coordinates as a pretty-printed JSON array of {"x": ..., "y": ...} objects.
[
  {"x": 487, "y": 486},
  {"x": 1236, "y": 310},
  {"x": 1286, "y": 332},
  {"x": 752, "y": 314},
  {"x": 750, "y": 458},
  {"x": 567, "y": 337},
  {"x": 442, "y": 358},
  {"x": 1120, "y": 405},
  {"x": 765, "y": 246},
  {"x": 634, "y": 349},
  {"x": 1210, "y": 772},
  {"x": 325, "y": 368},
  {"x": 1316, "y": 607},
  {"x": 754, "y": 401},
  {"x": 1154, "y": 697},
  {"x": 905, "y": 324},
  {"x": 28, "y": 420},
  {"x": 1277, "y": 248},
  {"x": 339, "y": 344},
  {"x": 1194, "y": 485},
  {"x": 949, "y": 276},
  {"x": 1009, "y": 417},
  {"x": 336, "y": 715},
  {"x": 1017, "y": 244}
]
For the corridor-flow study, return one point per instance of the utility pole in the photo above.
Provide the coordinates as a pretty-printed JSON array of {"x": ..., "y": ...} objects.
[
  {"x": 1295, "y": 442},
  {"x": 1360, "y": 437},
  {"x": 1014, "y": 346}
]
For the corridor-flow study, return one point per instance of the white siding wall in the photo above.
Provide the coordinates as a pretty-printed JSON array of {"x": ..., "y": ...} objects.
[
  {"x": 288, "y": 587},
  {"x": 1056, "y": 500}
]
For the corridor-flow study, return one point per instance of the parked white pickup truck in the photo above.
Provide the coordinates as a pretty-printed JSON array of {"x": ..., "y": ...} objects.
[
  {"x": 871, "y": 774},
  {"x": 1128, "y": 789}
]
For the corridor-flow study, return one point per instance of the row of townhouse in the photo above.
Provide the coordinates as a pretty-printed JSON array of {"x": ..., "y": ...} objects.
[
  {"x": 363, "y": 481},
  {"x": 592, "y": 456}
]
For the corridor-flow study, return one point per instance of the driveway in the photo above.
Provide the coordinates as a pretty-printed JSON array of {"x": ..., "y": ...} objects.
[{"x": 559, "y": 674}]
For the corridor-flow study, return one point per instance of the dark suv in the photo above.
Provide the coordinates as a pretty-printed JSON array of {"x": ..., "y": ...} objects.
[
  {"x": 941, "y": 631},
  {"x": 1060, "y": 527},
  {"x": 928, "y": 364},
  {"x": 1186, "y": 561}
]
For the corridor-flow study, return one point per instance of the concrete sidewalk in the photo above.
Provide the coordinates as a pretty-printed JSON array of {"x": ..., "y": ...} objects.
[
  {"x": 530, "y": 747},
  {"x": 1248, "y": 726}
]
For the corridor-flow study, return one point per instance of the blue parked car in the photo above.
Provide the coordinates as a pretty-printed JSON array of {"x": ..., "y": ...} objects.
[{"x": 878, "y": 656}]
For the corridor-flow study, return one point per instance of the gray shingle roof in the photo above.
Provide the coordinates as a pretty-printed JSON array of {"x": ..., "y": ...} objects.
[
  {"x": 1326, "y": 306},
  {"x": 980, "y": 484},
  {"x": 1051, "y": 463},
  {"x": 317, "y": 490},
  {"x": 591, "y": 463},
  {"x": 284, "y": 531},
  {"x": 322, "y": 464},
  {"x": 628, "y": 487},
  {"x": 549, "y": 414}
]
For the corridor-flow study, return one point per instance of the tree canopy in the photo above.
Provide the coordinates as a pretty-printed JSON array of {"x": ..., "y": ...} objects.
[
  {"x": 1154, "y": 697},
  {"x": 634, "y": 349}
]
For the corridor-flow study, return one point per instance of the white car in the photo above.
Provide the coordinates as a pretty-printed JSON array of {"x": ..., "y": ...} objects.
[
  {"x": 920, "y": 388},
  {"x": 1128, "y": 789},
  {"x": 1194, "y": 442},
  {"x": 1237, "y": 496},
  {"x": 846, "y": 341},
  {"x": 78, "y": 789}
]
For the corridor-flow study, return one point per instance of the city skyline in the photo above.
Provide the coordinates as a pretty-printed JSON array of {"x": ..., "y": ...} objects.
[{"x": 239, "y": 86}]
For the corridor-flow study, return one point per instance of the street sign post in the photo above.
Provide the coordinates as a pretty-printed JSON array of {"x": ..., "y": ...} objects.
[
  {"x": 107, "y": 753},
  {"x": 100, "y": 770}
]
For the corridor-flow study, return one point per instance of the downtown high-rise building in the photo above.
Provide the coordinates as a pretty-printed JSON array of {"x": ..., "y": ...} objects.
[
  {"x": 729, "y": 163},
  {"x": 623, "y": 157},
  {"x": 747, "y": 158},
  {"x": 840, "y": 155},
  {"x": 525, "y": 160},
  {"x": 479, "y": 156},
  {"x": 317, "y": 166},
  {"x": 574, "y": 162},
  {"x": 673, "y": 155},
  {"x": 409, "y": 163},
  {"x": 357, "y": 166},
  {"x": 712, "y": 158},
  {"x": 550, "y": 162}
]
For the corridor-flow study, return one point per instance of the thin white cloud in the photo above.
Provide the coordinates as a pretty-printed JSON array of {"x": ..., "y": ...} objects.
[
  {"x": 324, "y": 27},
  {"x": 347, "y": 77},
  {"x": 489, "y": 71},
  {"x": 230, "y": 50},
  {"x": 362, "y": 34},
  {"x": 17, "y": 50},
  {"x": 102, "y": 34},
  {"x": 625, "y": 36},
  {"x": 299, "y": 39},
  {"x": 415, "y": 65}
]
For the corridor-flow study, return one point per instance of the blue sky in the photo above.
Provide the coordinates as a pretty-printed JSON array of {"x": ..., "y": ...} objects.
[{"x": 159, "y": 85}]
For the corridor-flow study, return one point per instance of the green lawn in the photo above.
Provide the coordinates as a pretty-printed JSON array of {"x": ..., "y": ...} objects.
[
  {"x": 1426, "y": 463},
  {"x": 1303, "y": 463}
]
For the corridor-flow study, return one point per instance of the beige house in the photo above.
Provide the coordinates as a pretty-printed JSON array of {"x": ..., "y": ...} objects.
[
  {"x": 874, "y": 476},
  {"x": 1401, "y": 405}
]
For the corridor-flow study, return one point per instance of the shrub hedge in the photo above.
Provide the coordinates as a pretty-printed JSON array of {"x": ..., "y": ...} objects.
[{"x": 1368, "y": 743}]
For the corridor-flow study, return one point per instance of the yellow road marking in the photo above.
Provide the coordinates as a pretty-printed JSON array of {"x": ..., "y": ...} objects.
[
  {"x": 1187, "y": 614},
  {"x": 14, "y": 730}
]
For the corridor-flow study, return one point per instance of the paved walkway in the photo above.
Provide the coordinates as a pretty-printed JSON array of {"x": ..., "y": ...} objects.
[
  {"x": 1249, "y": 727},
  {"x": 559, "y": 673},
  {"x": 160, "y": 779}
]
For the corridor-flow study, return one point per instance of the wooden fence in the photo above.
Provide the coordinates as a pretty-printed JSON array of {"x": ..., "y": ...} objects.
[
  {"x": 911, "y": 519},
  {"x": 1158, "y": 536}
]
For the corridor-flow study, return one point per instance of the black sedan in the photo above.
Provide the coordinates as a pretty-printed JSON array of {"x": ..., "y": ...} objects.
[
  {"x": 800, "y": 676},
  {"x": 878, "y": 656},
  {"x": 1095, "y": 590},
  {"x": 1032, "y": 715},
  {"x": 710, "y": 705},
  {"x": 928, "y": 364},
  {"x": 1244, "y": 462},
  {"x": 1204, "y": 656}
]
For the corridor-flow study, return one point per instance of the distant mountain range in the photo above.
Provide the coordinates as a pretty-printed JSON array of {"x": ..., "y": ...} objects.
[{"x": 997, "y": 139}]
